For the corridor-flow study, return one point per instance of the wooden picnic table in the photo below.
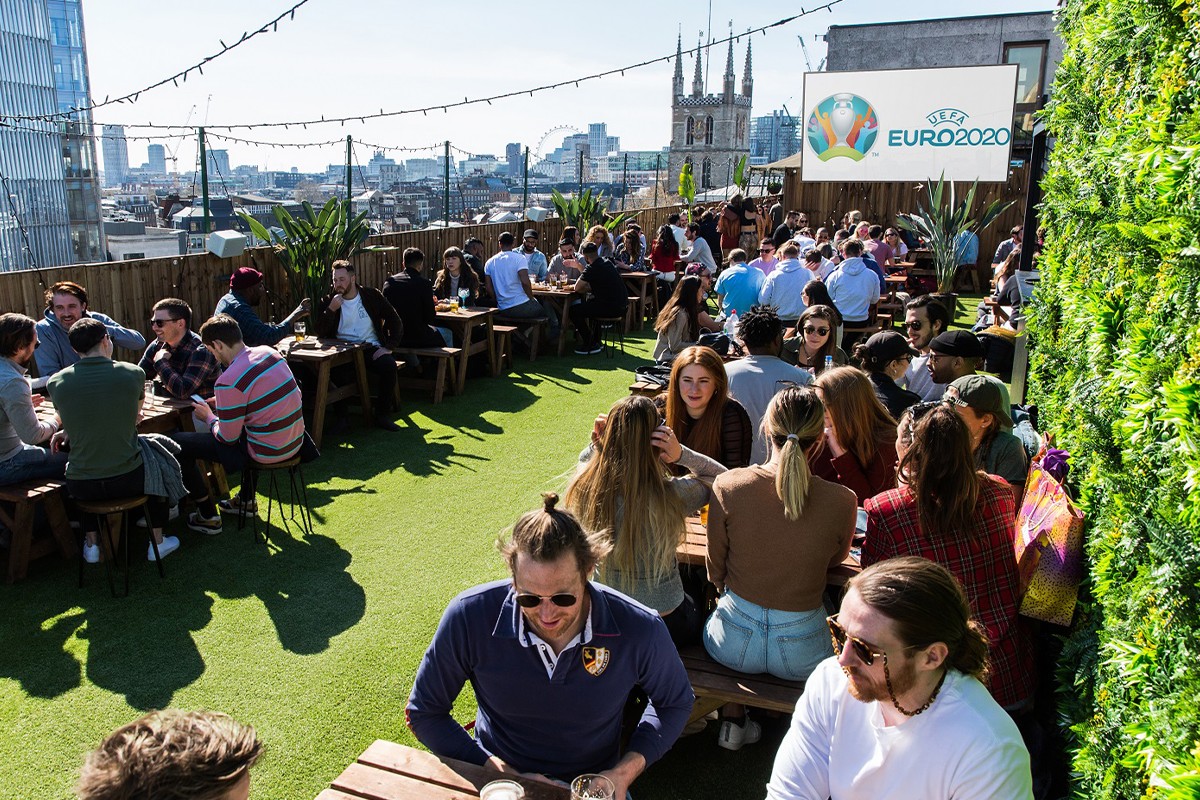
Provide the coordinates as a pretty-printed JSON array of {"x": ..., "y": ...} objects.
[
  {"x": 390, "y": 771},
  {"x": 645, "y": 286},
  {"x": 159, "y": 414},
  {"x": 695, "y": 548},
  {"x": 561, "y": 300},
  {"x": 464, "y": 322},
  {"x": 321, "y": 356}
]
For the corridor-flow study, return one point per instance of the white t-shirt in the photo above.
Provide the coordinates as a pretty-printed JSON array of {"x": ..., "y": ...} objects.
[
  {"x": 505, "y": 270},
  {"x": 917, "y": 379},
  {"x": 680, "y": 237},
  {"x": 355, "y": 325},
  {"x": 964, "y": 747}
]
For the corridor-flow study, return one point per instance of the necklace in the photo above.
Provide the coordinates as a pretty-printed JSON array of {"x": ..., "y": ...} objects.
[{"x": 888, "y": 679}]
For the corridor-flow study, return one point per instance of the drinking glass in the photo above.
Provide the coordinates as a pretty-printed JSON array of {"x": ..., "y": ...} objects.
[
  {"x": 300, "y": 329},
  {"x": 463, "y": 296},
  {"x": 148, "y": 393},
  {"x": 592, "y": 787},
  {"x": 502, "y": 790}
]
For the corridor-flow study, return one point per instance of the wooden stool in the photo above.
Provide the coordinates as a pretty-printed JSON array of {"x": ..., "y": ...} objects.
[
  {"x": 503, "y": 334},
  {"x": 110, "y": 515},
  {"x": 294, "y": 471},
  {"x": 533, "y": 324},
  {"x": 614, "y": 327}
]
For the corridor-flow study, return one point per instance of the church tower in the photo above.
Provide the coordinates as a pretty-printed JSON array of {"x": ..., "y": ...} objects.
[{"x": 709, "y": 130}]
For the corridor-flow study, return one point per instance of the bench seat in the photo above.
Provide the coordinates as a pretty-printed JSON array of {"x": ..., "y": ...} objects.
[
  {"x": 444, "y": 357},
  {"x": 715, "y": 685},
  {"x": 22, "y": 499}
]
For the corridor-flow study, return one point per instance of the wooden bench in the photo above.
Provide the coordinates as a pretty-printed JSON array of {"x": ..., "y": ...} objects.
[
  {"x": 646, "y": 389},
  {"x": 534, "y": 326},
  {"x": 503, "y": 334},
  {"x": 17, "y": 506},
  {"x": 444, "y": 356},
  {"x": 715, "y": 685}
]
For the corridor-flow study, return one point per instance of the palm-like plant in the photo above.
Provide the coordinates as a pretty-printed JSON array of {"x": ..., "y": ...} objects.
[
  {"x": 587, "y": 210},
  {"x": 942, "y": 225},
  {"x": 687, "y": 184},
  {"x": 311, "y": 243}
]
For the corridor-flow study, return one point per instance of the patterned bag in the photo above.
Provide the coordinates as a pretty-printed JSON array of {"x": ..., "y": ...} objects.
[{"x": 1049, "y": 548}]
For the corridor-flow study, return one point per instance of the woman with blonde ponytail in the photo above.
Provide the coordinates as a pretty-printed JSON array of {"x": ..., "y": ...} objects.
[{"x": 774, "y": 530}]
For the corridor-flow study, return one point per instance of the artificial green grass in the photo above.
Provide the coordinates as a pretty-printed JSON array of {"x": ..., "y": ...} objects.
[{"x": 315, "y": 640}]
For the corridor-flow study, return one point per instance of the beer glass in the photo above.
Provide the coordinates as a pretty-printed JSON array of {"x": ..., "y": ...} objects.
[{"x": 592, "y": 787}]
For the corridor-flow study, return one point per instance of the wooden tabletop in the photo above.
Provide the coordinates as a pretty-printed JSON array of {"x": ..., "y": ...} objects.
[
  {"x": 553, "y": 291},
  {"x": 317, "y": 349},
  {"x": 695, "y": 548},
  {"x": 390, "y": 771},
  {"x": 464, "y": 314},
  {"x": 159, "y": 414},
  {"x": 643, "y": 276}
]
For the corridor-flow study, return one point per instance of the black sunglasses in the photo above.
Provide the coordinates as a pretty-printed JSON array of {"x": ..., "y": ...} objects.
[
  {"x": 861, "y": 649},
  {"x": 564, "y": 600},
  {"x": 818, "y": 331},
  {"x": 914, "y": 326},
  {"x": 158, "y": 323}
]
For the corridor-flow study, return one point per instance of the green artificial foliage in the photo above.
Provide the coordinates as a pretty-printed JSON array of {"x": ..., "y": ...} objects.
[
  {"x": 586, "y": 210},
  {"x": 687, "y": 184},
  {"x": 1115, "y": 370}
]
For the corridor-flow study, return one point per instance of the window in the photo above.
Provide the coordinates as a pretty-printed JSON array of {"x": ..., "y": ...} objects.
[
  {"x": 1030, "y": 58},
  {"x": 691, "y": 131},
  {"x": 706, "y": 175},
  {"x": 708, "y": 130}
]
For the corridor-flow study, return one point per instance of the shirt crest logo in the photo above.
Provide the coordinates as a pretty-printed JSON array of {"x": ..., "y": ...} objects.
[{"x": 595, "y": 660}]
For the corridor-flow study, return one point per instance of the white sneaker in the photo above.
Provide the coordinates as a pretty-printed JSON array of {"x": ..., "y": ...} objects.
[
  {"x": 172, "y": 515},
  {"x": 168, "y": 545},
  {"x": 91, "y": 553},
  {"x": 733, "y": 736}
]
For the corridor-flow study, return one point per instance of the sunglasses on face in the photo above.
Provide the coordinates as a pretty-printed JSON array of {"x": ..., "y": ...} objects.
[
  {"x": 766, "y": 249},
  {"x": 564, "y": 600},
  {"x": 862, "y": 650},
  {"x": 809, "y": 329},
  {"x": 158, "y": 323},
  {"x": 914, "y": 326}
]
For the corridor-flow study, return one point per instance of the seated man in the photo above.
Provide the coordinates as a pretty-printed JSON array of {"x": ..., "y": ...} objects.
[
  {"x": 183, "y": 755},
  {"x": 411, "y": 294},
  {"x": 508, "y": 281},
  {"x": 535, "y": 259},
  {"x": 177, "y": 357},
  {"x": 21, "y": 432},
  {"x": 906, "y": 645},
  {"x": 564, "y": 264},
  {"x": 607, "y": 297},
  {"x": 700, "y": 251},
  {"x": 552, "y": 659},
  {"x": 739, "y": 285},
  {"x": 473, "y": 257},
  {"x": 66, "y": 303},
  {"x": 957, "y": 353},
  {"x": 246, "y": 290},
  {"x": 361, "y": 314},
  {"x": 259, "y": 414},
  {"x": 100, "y": 402}
]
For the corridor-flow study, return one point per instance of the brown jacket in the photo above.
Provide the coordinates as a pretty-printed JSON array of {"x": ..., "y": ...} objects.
[{"x": 388, "y": 326}]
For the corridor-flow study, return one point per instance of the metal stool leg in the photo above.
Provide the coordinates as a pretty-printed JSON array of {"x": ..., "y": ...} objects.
[{"x": 305, "y": 511}]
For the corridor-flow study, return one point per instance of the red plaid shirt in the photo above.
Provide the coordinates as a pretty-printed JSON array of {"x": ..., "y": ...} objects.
[{"x": 983, "y": 562}]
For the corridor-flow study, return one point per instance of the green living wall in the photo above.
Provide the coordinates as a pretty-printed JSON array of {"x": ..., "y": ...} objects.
[{"x": 1116, "y": 372}]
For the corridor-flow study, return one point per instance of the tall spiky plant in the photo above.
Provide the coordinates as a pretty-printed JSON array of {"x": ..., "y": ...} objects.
[
  {"x": 687, "y": 184},
  {"x": 311, "y": 243},
  {"x": 941, "y": 225}
]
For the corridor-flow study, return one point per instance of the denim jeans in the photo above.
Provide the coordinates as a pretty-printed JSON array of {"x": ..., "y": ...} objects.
[
  {"x": 203, "y": 445},
  {"x": 32, "y": 463},
  {"x": 532, "y": 309},
  {"x": 748, "y": 638}
]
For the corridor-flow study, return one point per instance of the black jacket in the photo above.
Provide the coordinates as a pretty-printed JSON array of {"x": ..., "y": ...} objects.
[
  {"x": 892, "y": 396},
  {"x": 412, "y": 297},
  {"x": 388, "y": 326}
]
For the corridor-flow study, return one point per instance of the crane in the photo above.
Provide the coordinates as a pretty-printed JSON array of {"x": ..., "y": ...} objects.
[
  {"x": 804, "y": 49},
  {"x": 172, "y": 151}
]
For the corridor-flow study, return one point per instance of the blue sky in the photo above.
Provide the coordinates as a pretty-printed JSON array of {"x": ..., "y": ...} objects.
[{"x": 356, "y": 56}]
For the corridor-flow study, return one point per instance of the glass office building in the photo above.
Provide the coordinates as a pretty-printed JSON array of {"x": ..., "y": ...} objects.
[{"x": 50, "y": 211}]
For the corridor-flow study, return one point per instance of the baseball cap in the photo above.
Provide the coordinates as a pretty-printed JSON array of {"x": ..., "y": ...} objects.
[
  {"x": 886, "y": 346},
  {"x": 982, "y": 394},
  {"x": 957, "y": 343},
  {"x": 531, "y": 234},
  {"x": 244, "y": 278}
]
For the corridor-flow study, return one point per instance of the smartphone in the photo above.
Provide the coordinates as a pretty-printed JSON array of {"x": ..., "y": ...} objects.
[{"x": 198, "y": 399}]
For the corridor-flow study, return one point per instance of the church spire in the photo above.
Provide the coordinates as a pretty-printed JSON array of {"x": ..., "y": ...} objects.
[
  {"x": 747, "y": 75},
  {"x": 677, "y": 84},
  {"x": 698, "y": 78},
  {"x": 729, "y": 76}
]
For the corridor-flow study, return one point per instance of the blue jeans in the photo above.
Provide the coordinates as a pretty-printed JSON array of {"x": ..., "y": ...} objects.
[
  {"x": 32, "y": 463},
  {"x": 532, "y": 309},
  {"x": 748, "y": 638}
]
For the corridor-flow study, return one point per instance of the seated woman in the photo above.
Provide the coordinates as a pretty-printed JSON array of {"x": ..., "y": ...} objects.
[
  {"x": 978, "y": 400},
  {"x": 947, "y": 511},
  {"x": 697, "y": 406},
  {"x": 814, "y": 339},
  {"x": 860, "y": 435},
  {"x": 885, "y": 356},
  {"x": 629, "y": 254},
  {"x": 603, "y": 239},
  {"x": 774, "y": 530},
  {"x": 453, "y": 276},
  {"x": 1008, "y": 291},
  {"x": 623, "y": 488},
  {"x": 678, "y": 324}
]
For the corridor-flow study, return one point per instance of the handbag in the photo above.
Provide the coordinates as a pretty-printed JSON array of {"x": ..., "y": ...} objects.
[
  {"x": 659, "y": 374},
  {"x": 1049, "y": 548}
]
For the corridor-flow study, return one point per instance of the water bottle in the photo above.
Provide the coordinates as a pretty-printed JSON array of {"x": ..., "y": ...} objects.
[
  {"x": 731, "y": 325},
  {"x": 828, "y": 362}
]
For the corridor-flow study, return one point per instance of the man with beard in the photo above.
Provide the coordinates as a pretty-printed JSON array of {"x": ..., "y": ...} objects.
[
  {"x": 900, "y": 711},
  {"x": 924, "y": 318},
  {"x": 66, "y": 304},
  {"x": 246, "y": 293}
]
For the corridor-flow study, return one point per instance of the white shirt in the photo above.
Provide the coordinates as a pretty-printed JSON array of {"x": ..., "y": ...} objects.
[
  {"x": 963, "y": 747},
  {"x": 355, "y": 325},
  {"x": 917, "y": 379},
  {"x": 505, "y": 270},
  {"x": 680, "y": 238},
  {"x": 528, "y": 638}
]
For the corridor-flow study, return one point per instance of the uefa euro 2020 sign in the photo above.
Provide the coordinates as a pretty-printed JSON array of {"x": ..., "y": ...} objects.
[{"x": 909, "y": 125}]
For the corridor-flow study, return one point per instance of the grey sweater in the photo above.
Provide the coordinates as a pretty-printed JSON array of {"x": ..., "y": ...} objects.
[
  {"x": 664, "y": 595},
  {"x": 19, "y": 424}
]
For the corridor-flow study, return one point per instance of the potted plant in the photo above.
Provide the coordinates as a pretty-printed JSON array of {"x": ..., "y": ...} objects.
[
  {"x": 587, "y": 210},
  {"x": 311, "y": 243},
  {"x": 941, "y": 225},
  {"x": 687, "y": 186}
]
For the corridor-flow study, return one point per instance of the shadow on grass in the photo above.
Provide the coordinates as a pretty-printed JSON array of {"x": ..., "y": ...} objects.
[{"x": 142, "y": 646}]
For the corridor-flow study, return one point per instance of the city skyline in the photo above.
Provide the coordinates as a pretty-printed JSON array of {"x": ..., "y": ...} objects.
[{"x": 429, "y": 68}]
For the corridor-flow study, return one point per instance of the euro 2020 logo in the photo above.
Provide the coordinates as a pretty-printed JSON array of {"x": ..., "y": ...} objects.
[{"x": 843, "y": 124}]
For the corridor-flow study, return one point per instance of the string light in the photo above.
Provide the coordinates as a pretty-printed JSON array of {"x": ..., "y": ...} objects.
[
  {"x": 504, "y": 96},
  {"x": 132, "y": 97}
]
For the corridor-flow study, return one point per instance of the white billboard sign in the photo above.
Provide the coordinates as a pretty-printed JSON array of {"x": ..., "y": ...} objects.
[{"x": 909, "y": 125}]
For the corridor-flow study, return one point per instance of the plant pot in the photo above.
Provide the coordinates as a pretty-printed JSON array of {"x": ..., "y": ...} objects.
[{"x": 949, "y": 301}]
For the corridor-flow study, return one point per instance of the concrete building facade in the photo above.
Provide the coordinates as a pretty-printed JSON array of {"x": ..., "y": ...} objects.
[{"x": 116, "y": 155}]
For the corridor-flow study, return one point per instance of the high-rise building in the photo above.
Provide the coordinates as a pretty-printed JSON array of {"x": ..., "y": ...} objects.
[
  {"x": 48, "y": 166},
  {"x": 599, "y": 142},
  {"x": 711, "y": 131},
  {"x": 116, "y": 155},
  {"x": 516, "y": 160},
  {"x": 773, "y": 138},
  {"x": 218, "y": 166},
  {"x": 156, "y": 159}
]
